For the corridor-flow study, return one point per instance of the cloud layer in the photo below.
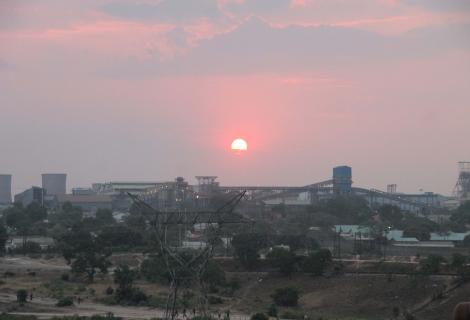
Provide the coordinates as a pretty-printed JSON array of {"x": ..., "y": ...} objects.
[{"x": 121, "y": 89}]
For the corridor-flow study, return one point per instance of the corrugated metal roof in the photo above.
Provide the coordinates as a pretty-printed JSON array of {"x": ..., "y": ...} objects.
[
  {"x": 397, "y": 235},
  {"x": 450, "y": 236}
]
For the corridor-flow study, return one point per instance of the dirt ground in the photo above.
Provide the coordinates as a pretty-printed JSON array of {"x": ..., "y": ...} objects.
[
  {"x": 339, "y": 297},
  {"x": 42, "y": 278}
]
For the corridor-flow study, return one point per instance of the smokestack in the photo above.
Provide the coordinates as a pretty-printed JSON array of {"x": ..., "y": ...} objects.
[
  {"x": 5, "y": 188},
  {"x": 54, "y": 183}
]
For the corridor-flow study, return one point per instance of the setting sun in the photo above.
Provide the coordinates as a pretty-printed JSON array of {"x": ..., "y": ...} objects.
[{"x": 239, "y": 145}]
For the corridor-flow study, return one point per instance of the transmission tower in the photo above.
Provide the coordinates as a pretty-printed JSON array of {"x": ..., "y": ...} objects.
[
  {"x": 462, "y": 187},
  {"x": 188, "y": 266}
]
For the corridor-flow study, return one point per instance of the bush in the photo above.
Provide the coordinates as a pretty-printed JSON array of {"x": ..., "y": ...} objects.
[
  {"x": 292, "y": 315},
  {"x": 7, "y": 274},
  {"x": 31, "y": 247},
  {"x": 21, "y": 295},
  {"x": 259, "y": 316},
  {"x": 109, "y": 291},
  {"x": 286, "y": 297},
  {"x": 215, "y": 300},
  {"x": 272, "y": 310},
  {"x": 153, "y": 269},
  {"x": 283, "y": 259},
  {"x": 234, "y": 284},
  {"x": 432, "y": 264},
  {"x": 65, "y": 302},
  {"x": 214, "y": 275},
  {"x": 317, "y": 262},
  {"x": 65, "y": 277}
]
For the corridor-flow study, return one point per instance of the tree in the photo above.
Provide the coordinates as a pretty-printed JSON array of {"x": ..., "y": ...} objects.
[
  {"x": 466, "y": 241},
  {"x": 104, "y": 217},
  {"x": 31, "y": 247},
  {"x": 154, "y": 269},
  {"x": 36, "y": 212},
  {"x": 21, "y": 296},
  {"x": 348, "y": 208},
  {"x": 458, "y": 263},
  {"x": 272, "y": 310},
  {"x": 17, "y": 218},
  {"x": 462, "y": 214},
  {"x": 246, "y": 247},
  {"x": 126, "y": 293},
  {"x": 390, "y": 214},
  {"x": 286, "y": 297},
  {"x": 419, "y": 232},
  {"x": 124, "y": 277},
  {"x": 120, "y": 236},
  {"x": 432, "y": 264},
  {"x": 317, "y": 262},
  {"x": 3, "y": 238},
  {"x": 259, "y": 316},
  {"x": 214, "y": 275},
  {"x": 136, "y": 219},
  {"x": 84, "y": 253},
  {"x": 284, "y": 260},
  {"x": 67, "y": 216},
  {"x": 296, "y": 241}
]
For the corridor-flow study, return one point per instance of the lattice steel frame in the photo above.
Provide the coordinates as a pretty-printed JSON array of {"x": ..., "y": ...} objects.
[{"x": 174, "y": 262}]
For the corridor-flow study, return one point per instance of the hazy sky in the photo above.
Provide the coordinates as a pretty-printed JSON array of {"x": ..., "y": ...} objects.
[{"x": 148, "y": 90}]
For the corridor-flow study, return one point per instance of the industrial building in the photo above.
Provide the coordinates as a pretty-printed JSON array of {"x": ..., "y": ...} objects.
[
  {"x": 83, "y": 191},
  {"x": 88, "y": 203},
  {"x": 462, "y": 187},
  {"x": 178, "y": 194},
  {"x": 5, "y": 188},
  {"x": 119, "y": 187},
  {"x": 33, "y": 194},
  {"x": 342, "y": 180},
  {"x": 170, "y": 195},
  {"x": 54, "y": 183}
]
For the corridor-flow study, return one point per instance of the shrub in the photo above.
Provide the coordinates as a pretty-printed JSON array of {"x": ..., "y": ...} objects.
[
  {"x": 458, "y": 262},
  {"x": 65, "y": 302},
  {"x": 395, "y": 311},
  {"x": 286, "y": 297},
  {"x": 214, "y": 275},
  {"x": 234, "y": 284},
  {"x": 65, "y": 277},
  {"x": 292, "y": 315},
  {"x": 109, "y": 291},
  {"x": 7, "y": 274},
  {"x": 259, "y": 316},
  {"x": 272, "y": 310},
  {"x": 283, "y": 259},
  {"x": 21, "y": 295},
  {"x": 215, "y": 300},
  {"x": 153, "y": 269},
  {"x": 317, "y": 262},
  {"x": 31, "y": 247},
  {"x": 432, "y": 264}
]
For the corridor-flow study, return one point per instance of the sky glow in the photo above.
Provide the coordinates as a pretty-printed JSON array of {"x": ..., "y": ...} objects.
[{"x": 150, "y": 90}]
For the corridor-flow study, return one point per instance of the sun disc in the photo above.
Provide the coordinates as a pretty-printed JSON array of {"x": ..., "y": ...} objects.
[{"x": 239, "y": 145}]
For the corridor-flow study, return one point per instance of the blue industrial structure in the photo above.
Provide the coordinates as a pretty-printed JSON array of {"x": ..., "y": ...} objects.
[{"x": 342, "y": 179}]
